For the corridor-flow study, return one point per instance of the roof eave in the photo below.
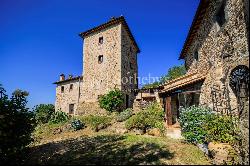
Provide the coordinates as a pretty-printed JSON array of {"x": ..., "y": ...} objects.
[
  {"x": 72, "y": 79},
  {"x": 109, "y": 23},
  {"x": 202, "y": 5}
]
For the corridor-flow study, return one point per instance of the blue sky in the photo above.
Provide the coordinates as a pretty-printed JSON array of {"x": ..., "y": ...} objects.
[{"x": 39, "y": 38}]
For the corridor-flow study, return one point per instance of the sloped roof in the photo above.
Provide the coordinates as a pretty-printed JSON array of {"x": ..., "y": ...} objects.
[
  {"x": 185, "y": 80},
  {"x": 111, "y": 22},
  {"x": 68, "y": 80},
  {"x": 199, "y": 15}
]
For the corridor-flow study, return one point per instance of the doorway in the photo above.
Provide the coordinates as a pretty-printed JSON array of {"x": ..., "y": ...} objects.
[
  {"x": 71, "y": 108},
  {"x": 127, "y": 101}
]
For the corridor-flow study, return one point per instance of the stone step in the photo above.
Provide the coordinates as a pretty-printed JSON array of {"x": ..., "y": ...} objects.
[{"x": 174, "y": 133}]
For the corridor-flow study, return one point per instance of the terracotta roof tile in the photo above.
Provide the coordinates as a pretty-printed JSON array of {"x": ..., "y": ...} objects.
[
  {"x": 69, "y": 79},
  {"x": 185, "y": 80}
]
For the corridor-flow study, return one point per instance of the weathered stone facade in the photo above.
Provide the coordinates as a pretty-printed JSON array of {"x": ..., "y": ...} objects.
[
  {"x": 129, "y": 66},
  {"x": 220, "y": 50},
  {"x": 109, "y": 62},
  {"x": 216, "y": 46},
  {"x": 98, "y": 78},
  {"x": 69, "y": 95}
]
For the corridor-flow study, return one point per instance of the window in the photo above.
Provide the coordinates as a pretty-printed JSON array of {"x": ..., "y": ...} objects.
[
  {"x": 130, "y": 49},
  {"x": 220, "y": 15},
  {"x": 131, "y": 65},
  {"x": 71, "y": 109},
  {"x": 196, "y": 55},
  {"x": 100, "y": 40},
  {"x": 62, "y": 89},
  {"x": 100, "y": 58},
  {"x": 71, "y": 87}
]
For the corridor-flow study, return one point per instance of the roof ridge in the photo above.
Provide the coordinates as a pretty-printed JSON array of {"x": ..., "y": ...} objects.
[
  {"x": 112, "y": 21},
  {"x": 69, "y": 79}
]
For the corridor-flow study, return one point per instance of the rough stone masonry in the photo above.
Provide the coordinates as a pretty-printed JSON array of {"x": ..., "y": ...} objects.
[{"x": 109, "y": 62}]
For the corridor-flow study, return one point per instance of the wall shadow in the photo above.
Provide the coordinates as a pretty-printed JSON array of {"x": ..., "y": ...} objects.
[{"x": 97, "y": 150}]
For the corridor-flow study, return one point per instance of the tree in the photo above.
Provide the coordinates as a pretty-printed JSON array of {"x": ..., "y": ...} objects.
[
  {"x": 152, "y": 85},
  {"x": 173, "y": 73},
  {"x": 43, "y": 112},
  {"x": 19, "y": 92},
  {"x": 16, "y": 126},
  {"x": 112, "y": 101}
]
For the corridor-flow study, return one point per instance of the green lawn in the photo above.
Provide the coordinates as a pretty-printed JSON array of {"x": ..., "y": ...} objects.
[{"x": 86, "y": 147}]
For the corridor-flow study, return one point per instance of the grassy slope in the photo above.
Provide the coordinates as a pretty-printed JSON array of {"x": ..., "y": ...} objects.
[{"x": 87, "y": 147}]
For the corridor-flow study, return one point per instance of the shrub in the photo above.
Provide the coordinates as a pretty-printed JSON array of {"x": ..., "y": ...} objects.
[
  {"x": 43, "y": 112},
  {"x": 77, "y": 124},
  {"x": 124, "y": 115},
  {"x": 59, "y": 117},
  {"x": 16, "y": 126},
  {"x": 112, "y": 101},
  {"x": 96, "y": 122},
  {"x": 221, "y": 128},
  {"x": 160, "y": 125},
  {"x": 137, "y": 121},
  {"x": 191, "y": 121},
  {"x": 151, "y": 117}
]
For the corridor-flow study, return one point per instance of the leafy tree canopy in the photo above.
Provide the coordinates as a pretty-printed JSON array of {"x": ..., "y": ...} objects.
[
  {"x": 173, "y": 73},
  {"x": 44, "y": 112},
  {"x": 16, "y": 125}
]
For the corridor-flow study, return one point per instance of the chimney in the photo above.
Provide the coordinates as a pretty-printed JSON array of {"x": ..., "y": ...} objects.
[
  {"x": 112, "y": 18},
  {"x": 62, "y": 77},
  {"x": 70, "y": 76}
]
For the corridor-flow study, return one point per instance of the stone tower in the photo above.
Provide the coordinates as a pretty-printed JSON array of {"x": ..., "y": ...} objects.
[{"x": 109, "y": 61}]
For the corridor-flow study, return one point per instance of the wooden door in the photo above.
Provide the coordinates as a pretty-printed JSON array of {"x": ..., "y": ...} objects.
[{"x": 168, "y": 111}]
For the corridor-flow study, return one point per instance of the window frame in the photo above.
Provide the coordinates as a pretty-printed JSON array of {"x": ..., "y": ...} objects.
[
  {"x": 62, "y": 89},
  {"x": 196, "y": 55},
  {"x": 100, "y": 41},
  {"x": 71, "y": 87},
  {"x": 131, "y": 65},
  {"x": 73, "y": 107},
  {"x": 100, "y": 59},
  {"x": 221, "y": 7}
]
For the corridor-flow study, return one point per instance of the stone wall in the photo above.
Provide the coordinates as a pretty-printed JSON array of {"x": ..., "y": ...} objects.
[
  {"x": 64, "y": 99},
  {"x": 117, "y": 70},
  {"x": 99, "y": 78},
  {"x": 119, "y": 64},
  {"x": 221, "y": 49},
  {"x": 129, "y": 67}
]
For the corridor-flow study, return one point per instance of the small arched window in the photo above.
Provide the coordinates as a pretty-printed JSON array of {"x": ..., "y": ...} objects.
[
  {"x": 62, "y": 89},
  {"x": 196, "y": 55},
  {"x": 239, "y": 83},
  {"x": 220, "y": 14}
]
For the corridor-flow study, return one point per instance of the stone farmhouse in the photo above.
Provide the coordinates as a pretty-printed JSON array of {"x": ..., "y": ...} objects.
[
  {"x": 216, "y": 55},
  {"x": 109, "y": 61}
]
